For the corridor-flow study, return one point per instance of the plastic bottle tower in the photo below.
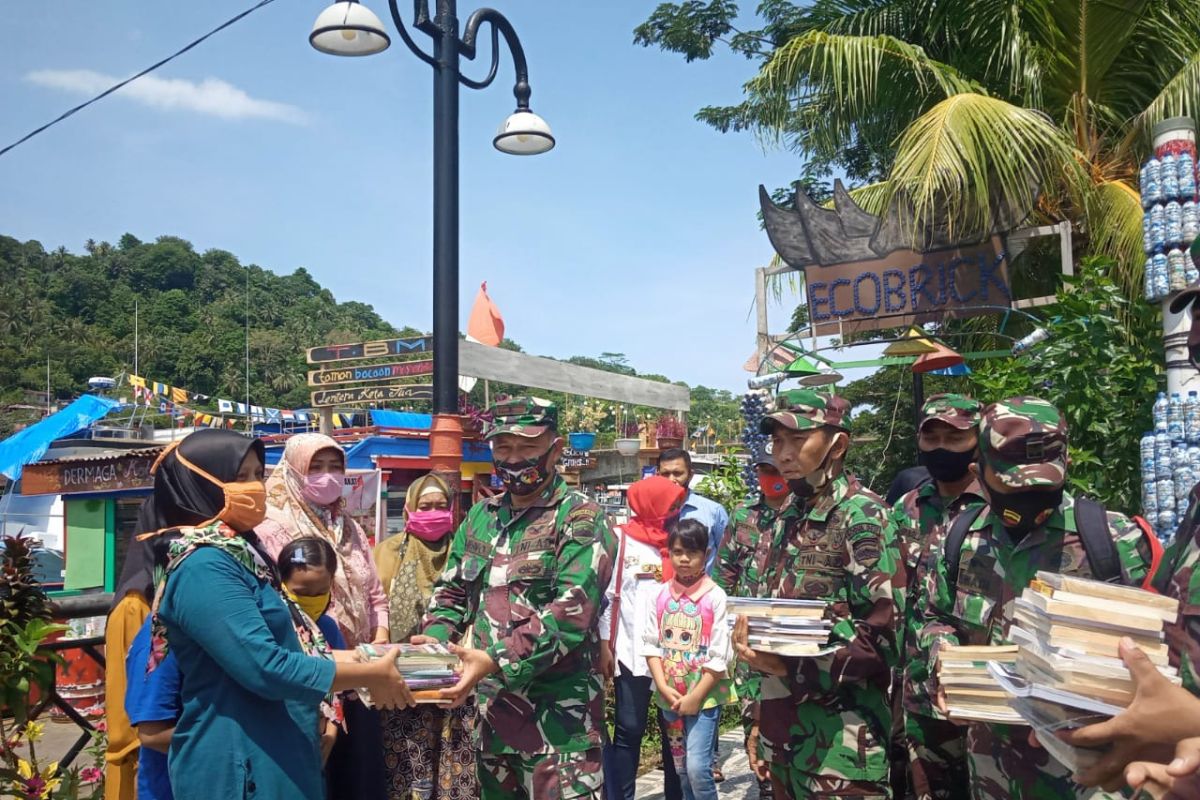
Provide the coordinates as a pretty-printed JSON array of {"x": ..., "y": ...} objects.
[
  {"x": 1170, "y": 454},
  {"x": 754, "y": 409}
]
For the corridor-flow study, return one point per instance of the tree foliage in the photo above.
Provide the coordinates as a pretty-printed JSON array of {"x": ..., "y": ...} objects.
[
  {"x": 77, "y": 313},
  {"x": 1101, "y": 367},
  {"x": 958, "y": 108}
]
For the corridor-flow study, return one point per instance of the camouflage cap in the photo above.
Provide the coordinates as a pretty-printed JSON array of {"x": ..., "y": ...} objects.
[
  {"x": 523, "y": 416},
  {"x": 956, "y": 410},
  {"x": 805, "y": 409},
  {"x": 1024, "y": 440}
]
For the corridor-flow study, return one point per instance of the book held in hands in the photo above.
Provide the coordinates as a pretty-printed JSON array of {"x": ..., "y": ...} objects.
[{"x": 784, "y": 627}]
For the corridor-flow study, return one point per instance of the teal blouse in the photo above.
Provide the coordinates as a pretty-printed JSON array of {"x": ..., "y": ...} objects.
[{"x": 250, "y": 696}]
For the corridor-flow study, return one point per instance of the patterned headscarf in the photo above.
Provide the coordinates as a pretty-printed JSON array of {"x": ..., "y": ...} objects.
[
  {"x": 286, "y": 505},
  {"x": 418, "y": 565}
]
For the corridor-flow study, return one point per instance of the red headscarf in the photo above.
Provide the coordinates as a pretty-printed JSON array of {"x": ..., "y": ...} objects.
[{"x": 653, "y": 501}]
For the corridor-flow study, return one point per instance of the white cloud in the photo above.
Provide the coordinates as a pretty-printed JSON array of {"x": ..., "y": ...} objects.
[{"x": 209, "y": 96}]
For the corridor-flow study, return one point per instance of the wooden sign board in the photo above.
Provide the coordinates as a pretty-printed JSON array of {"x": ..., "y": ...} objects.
[
  {"x": 907, "y": 288},
  {"x": 378, "y": 349},
  {"x": 375, "y": 372},
  {"x": 118, "y": 473},
  {"x": 358, "y": 395},
  {"x": 576, "y": 460}
]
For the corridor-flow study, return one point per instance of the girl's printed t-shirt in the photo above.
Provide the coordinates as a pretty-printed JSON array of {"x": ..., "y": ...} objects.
[{"x": 688, "y": 629}]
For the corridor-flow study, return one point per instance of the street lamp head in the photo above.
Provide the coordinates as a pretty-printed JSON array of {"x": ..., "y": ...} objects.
[
  {"x": 524, "y": 133},
  {"x": 349, "y": 28}
]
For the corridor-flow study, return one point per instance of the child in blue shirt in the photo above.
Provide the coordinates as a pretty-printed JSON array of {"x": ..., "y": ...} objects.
[{"x": 153, "y": 704}]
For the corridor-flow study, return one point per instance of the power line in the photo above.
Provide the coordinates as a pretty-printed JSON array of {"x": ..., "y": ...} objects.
[{"x": 146, "y": 71}]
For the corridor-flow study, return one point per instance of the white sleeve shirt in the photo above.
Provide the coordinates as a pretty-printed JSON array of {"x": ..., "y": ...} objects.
[{"x": 639, "y": 593}]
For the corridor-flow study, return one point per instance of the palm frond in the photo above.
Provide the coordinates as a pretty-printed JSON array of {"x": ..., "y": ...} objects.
[
  {"x": 972, "y": 154},
  {"x": 1179, "y": 97},
  {"x": 1113, "y": 219},
  {"x": 824, "y": 93}
]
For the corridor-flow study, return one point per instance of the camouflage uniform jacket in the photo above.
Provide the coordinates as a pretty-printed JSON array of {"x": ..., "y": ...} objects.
[
  {"x": 830, "y": 716},
  {"x": 746, "y": 550},
  {"x": 923, "y": 518},
  {"x": 1181, "y": 565},
  {"x": 992, "y": 573},
  {"x": 531, "y": 582}
]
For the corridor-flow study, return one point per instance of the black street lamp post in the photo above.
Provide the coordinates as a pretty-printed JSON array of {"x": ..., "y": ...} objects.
[{"x": 349, "y": 28}]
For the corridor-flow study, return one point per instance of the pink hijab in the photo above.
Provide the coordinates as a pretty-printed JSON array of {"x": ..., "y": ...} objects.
[{"x": 299, "y": 518}]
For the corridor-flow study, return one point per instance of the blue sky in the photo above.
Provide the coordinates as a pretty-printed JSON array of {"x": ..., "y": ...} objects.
[{"x": 637, "y": 234}]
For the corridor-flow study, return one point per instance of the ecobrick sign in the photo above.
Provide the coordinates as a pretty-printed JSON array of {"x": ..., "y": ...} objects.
[{"x": 861, "y": 271}]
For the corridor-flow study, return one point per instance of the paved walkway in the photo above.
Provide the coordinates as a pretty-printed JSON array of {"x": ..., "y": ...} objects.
[{"x": 739, "y": 783}]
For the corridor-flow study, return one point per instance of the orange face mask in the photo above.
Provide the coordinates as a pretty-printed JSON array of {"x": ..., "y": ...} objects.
[{"x": 245, "y": 501}]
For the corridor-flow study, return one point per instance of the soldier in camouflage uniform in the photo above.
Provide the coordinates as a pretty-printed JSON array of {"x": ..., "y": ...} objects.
[
  {"x": 932, "y": 749},
  {"x": 1029, "y": 526},
  {"x": 528, "y": 569},
  {"x": 746, "y": 550},
  {"x": 825, "y": 721}
]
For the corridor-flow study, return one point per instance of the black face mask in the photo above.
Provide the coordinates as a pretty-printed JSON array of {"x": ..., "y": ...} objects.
[
  {"x": 1023, "y": 511},
  {"x": 945, "y": 465}
]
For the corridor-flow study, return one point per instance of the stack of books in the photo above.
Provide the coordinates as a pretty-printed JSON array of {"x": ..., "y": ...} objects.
[
  {"x": 971, "y": 691},
  {"x": 426, "y": 668},
  {"x": 1068, "y": 630},
  {"x": 784, "y": 627},
  {"x": 1068, "y": 672}
]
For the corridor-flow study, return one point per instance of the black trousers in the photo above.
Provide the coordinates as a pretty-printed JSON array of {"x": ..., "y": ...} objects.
[
  {"x": 355, "y": 770},
  {"x": 622, "y": 756}
]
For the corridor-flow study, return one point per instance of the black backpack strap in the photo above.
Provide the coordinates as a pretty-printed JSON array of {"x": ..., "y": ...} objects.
[
  {"x": 1091, "y": 522},
  {"x": 952, "y": 547}
]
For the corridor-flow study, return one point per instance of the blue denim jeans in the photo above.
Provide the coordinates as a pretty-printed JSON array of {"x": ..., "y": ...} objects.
[{"x": 698, "y": 731}]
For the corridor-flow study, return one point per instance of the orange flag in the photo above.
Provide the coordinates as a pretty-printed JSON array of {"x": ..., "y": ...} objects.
[{"x": 486, "y": 325}]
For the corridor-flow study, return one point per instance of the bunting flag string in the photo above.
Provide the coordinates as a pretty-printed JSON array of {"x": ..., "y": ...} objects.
[{"x": 170, "y": 399}]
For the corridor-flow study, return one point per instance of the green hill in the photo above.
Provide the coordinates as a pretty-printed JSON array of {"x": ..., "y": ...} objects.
[{"x": 77, "y": 312}]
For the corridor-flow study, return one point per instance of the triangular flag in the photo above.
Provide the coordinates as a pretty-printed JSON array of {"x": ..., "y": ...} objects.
[{"x": 485, "y": 324}]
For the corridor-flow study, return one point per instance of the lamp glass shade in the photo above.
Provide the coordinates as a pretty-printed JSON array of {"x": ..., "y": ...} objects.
[
  {"x": 941, "y": 358},
  {"x": 524, "y": 133},
  {"x": 914, "y": 343},
  {"x": 802, "y": 366},
  {"x": 825, "y": 376},
  {"x": 349, "y": 29},
  {"x": 954, "y": 371}
]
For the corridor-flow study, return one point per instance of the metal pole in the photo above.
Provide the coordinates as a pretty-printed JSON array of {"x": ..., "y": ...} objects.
[
  {"x": 918, "y": 398},
  {"x": 445, "y": 212},
  {"x": 445, "y": 441}
]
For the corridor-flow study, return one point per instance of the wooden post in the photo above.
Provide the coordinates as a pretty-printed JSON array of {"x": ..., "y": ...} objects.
[
  {"x": 326, "y": 425},
  {"x": 763, "y": 340}
]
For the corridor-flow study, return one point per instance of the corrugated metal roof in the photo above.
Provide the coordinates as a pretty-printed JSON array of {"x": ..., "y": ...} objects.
[{"x": 105, "y": 455}]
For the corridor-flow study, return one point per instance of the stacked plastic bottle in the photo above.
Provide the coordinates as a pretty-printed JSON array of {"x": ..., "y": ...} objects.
[
  {"x": 1171, "y": 219},
  {"x": 754, "y": 408},
  {"x": 1170, "y": 456}
]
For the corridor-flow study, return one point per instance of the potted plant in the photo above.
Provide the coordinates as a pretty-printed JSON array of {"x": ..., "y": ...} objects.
[
  {"x": 669, "y": 432},
  {"x": 582, "y": 421},
  {"x": 628, "y": 442}
]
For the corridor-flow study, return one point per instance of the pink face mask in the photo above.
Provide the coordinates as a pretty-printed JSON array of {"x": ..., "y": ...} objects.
[
  {"x": 430, "y": 525},
  {"x": 324, "y": 488}
]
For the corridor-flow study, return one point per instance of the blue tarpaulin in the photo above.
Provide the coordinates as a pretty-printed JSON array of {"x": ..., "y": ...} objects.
[
  {"x": 27, "y": 446},
  {"x": 400, "y": 419}
]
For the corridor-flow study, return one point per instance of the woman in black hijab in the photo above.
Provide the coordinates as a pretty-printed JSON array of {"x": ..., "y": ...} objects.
[
  {"x": 181, "y": 497},
  {"x": 255, "y": 675}
]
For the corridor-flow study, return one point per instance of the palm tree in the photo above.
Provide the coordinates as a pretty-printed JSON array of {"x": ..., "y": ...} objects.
[{"x": 985, "y": 101}]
